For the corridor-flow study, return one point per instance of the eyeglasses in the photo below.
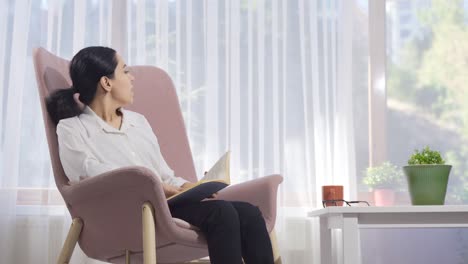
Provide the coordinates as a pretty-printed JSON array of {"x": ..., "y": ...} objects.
[{"x": 326, "y": 203}]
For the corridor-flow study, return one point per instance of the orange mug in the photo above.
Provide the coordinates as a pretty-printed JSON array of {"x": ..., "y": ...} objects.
[{"x": 332, "y": 192}]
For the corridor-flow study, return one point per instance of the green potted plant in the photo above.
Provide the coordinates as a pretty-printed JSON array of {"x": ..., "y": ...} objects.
[
  {"x": 383, "y": 180},
  {"x": 427, "y": 177}
]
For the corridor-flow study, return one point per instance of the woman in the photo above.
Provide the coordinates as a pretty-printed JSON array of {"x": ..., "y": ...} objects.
[{"x": 99, "y": 136}]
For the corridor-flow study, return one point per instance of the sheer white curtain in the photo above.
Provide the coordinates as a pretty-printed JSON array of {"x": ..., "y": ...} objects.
[{"x": 269, "y": 79}]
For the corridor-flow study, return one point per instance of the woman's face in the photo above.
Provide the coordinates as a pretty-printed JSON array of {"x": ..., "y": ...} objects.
[{"x": 122, "y": 87}]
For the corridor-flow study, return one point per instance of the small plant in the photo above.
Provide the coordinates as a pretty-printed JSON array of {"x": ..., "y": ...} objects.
[
  {"x": 426, "y": 156},
  {"x": 384, "y": 176}
]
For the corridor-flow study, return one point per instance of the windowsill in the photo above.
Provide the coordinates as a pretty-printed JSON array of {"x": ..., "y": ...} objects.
[
  {"x": 401, "y": 197},
  {"x": 34, "y": 201},
  {"x": 38, "y": 196},
  {"x": 37, "y": 210}
]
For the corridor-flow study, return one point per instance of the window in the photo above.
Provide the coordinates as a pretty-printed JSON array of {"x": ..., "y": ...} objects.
[{"x": 426, "y": 86}]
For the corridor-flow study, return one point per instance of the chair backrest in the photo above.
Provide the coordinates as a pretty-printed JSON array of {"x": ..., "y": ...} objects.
[{"x": 155, "y": 98}]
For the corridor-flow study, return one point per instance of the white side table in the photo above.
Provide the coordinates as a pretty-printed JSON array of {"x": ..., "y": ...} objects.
[{"x": 351, "y": 219}]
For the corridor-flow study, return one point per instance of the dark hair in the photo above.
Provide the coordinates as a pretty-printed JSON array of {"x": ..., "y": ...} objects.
[{"x": 86, "y": 69}]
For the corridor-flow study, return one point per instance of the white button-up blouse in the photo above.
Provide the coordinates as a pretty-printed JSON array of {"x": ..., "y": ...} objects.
[{"x": 88, "y": 146}]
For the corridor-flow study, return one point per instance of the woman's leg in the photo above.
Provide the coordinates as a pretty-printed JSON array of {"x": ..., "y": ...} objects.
[
  {"x": 256, "y": 244},
  {"x": 219, "y": 221}
]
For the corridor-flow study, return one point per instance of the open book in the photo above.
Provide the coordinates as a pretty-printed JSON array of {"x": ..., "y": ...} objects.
[
  {"x": 213, "y": 181},
  {"x": 220, "y": 170}
]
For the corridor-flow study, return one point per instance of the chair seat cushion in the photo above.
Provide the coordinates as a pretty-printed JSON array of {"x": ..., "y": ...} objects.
[{"x": 183, "y": 224}]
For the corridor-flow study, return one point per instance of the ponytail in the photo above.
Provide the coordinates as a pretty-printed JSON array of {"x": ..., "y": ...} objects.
[
  {"x": 86, "y": 69},
  {"x": 61, "y": 104}
]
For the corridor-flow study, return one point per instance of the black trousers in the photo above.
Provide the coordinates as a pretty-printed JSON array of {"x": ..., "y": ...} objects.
[{"x": 233, "y": 230}]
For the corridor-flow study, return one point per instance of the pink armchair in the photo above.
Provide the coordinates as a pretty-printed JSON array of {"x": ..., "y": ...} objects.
[{"x": 122, "y": 215}]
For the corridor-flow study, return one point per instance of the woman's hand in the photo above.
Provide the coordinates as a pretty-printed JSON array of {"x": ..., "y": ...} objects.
[
  {"x": 170, "y": 190},
  {"x": 187, "y": 185}
]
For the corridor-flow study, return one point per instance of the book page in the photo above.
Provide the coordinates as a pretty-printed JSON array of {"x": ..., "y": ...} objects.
[
  {"x": 220, "y": 170},
  {"x": 214, "y": 180}
]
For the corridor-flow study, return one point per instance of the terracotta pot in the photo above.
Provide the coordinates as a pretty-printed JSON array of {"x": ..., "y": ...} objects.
[{"x": 384, "y": 197}]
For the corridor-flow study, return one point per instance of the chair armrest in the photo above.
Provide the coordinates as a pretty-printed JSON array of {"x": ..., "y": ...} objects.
[
  {"x": 119, "y": 180},
  {"x": 110, "y": 202},
  {"x": 260, "y": 192}
]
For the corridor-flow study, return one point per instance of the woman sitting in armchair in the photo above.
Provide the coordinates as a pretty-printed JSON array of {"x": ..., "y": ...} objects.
[{"x": 96, "y": 135}]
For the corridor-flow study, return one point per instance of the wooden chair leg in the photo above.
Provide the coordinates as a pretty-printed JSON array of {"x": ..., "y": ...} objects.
[
  {"x": 149, "y": 234},
  {"x": 127, "y": 256},
  {"x": 70, "y": 241},
  {"x": 274, "y": 244}
]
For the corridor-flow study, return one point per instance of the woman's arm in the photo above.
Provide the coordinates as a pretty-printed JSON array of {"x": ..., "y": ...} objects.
[{"x": 166, "y": 173}]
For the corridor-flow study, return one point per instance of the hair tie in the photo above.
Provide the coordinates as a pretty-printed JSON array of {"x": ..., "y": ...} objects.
[{"x": 76, "y": 97}]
